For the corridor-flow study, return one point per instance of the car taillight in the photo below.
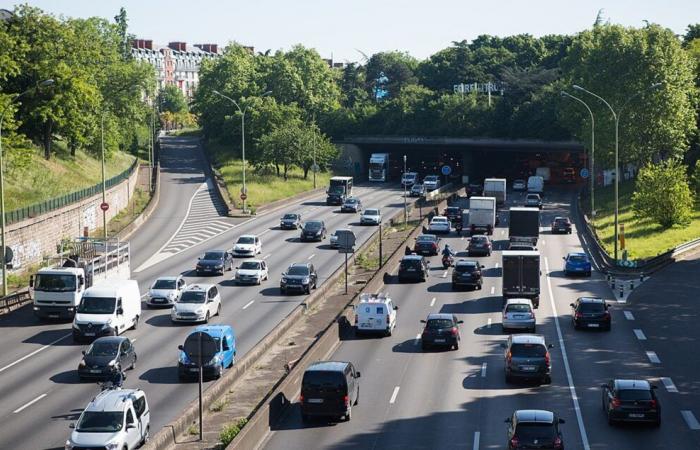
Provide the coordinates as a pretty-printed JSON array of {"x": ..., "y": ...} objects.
[
  {"x": 607, "y": 315},
  {"x": 579, "y": 315},
  {"x": 652, "y": 404},
  {"x": 301, "y": 398},
  {"x": 514, "y": 442},
  {"x": 546, "y": 358},
  {"x": 615, "y": 402},
  {"x": 509, "y": 357},
  {"x": 558, "y": 443},
  {"x": 532, "y": 315},
  {"x": 454, "y": 331},
  {"x": 346, "y": 400},
  {"x": 435, "y": 246}
]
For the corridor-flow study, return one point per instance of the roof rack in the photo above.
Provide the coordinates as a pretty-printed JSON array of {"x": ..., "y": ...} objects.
[{"x": 367, "y": 296}]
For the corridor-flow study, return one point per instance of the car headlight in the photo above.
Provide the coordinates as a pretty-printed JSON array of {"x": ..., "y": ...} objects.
[
  {"x": 172, "y": 295},
  {"x": 216, "y": 359},
  {"x": 199, "y": 311},
  {"x": 75, "y": 326},
  {"x": 112, "y": 363},
  {"x": 306, "y": 280},
  {"x": 284, "y": 279}
]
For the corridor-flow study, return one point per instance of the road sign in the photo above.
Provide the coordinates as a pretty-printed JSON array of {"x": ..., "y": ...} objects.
[
  {"x": 346, "y": 239},
  {"x": 584, "y": 173},
  {"x": 243, "y": 196},
  {"x": 446, "y": 170},
  {"x": 104, "y": 206},
  {"x": 192, "y": 347}
]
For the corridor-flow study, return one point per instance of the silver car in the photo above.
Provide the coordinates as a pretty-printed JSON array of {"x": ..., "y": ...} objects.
[{"x": 518, "y": 314}]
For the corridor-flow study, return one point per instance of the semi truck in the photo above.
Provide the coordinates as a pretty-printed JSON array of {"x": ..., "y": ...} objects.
[
  {"x": 481, "y": 216},
  {"x": 58, "y": 287},
  {"x": 521, "y": 275},
  {"x": 524, "y": 225},
  {"x": 339, "y": 188},
  {"x": 379, "y": 167},
  {"x": 495, "y": 187}
]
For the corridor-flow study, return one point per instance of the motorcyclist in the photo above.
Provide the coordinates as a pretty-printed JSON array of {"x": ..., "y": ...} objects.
[
  {"x": 115, "y": 378},
  {"x": 447, "y": 251}
]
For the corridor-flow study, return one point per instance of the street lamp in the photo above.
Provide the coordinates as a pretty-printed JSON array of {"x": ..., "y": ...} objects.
[
  {"x": 44, "y": 83},
  {"x": 403, "y": 180},
  {"x": 616, "y": 117},
  {"x": 242, "y": 111},
  {"x": 591, "y": 162}
]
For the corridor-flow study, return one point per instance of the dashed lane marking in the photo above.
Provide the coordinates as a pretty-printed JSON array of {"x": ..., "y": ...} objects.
[
  {"x": 432, "y": 302},
  {"x": 311, "y": 257},
  {"x": 488, "y": 323},
  {"x": 629, "y": 315},
  {"x": 690, "y": 420},
  {"x": 444, "y": 275},
  {"x": 2, "y": 369},
  {"x": 417, "y": 340},
  {"x": 248, "y": 304},
  {"x": 653, "y": 357},
  {"x": 493, "y": 290},
  {"x": 28, "y": 404},
  {"x": 496, "y": 266},
  {"x": 640, "y": 334},
  {"x": 267, "y": 256},
  {"x": 668, "y": 384},
  {"x": 477, "y": 437},
  {"x": 394, "y": 395},
  {"x": 483, "y": 370}
]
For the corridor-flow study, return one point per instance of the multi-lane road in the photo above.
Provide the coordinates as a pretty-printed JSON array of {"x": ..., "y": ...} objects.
[
  {"x": 39, "y": 386},
  {"x": 459, "y": 399}
]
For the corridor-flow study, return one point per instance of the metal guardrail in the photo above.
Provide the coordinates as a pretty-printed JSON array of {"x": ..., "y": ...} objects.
[{"x": 14, "y": 301}]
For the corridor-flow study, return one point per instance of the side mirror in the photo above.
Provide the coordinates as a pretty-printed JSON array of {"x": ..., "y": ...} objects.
[
  {"x": 562, "y": 421},
  {"x": 199, "y": 259},
  {"x": 31, "y": 280},
  {"x": 396, "y": 308},
  {"x": 483, "y": 266},
  {"x": 181, "y": 347},
  {"x": 130, "y": 426},
  {"x": 358, "y": 374},
  {"x": 83, "y": 352},
  {"x": 120, "y": 311},
  {"x": 71, "y": 426},
  {"x": 653, "y": 386},
  {"x": 550, "y": 346},
  {"x": 422, "y": 321},
  {"x": 460, "y": 321},
  {"x": 572, "y": 305},
  {"x": 564, "y": 258}
]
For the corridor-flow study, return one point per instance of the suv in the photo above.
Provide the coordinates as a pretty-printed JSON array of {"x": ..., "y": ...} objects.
[
  {"x": 519, "y": 185},
  {"x": 225, "y": 356},
  {"x": 431, "y": 182},
  {"x": 290, "y": 221},
  {"x": 115, "y": 418},
  {"x": 534, "y": 428},
  {"x": 426, "y": 244},
  {"x": 371, "y": 216},
  {"x": 479, "y": 244},
  {"x": 527, "y": 357},
  {"x": 561, "y": 225},
  {"x": 105, "y": 353},
  {"x": 589, "y": 312},
  {"x": 467, "y": 273},
  {"x": 166, "y": 291},
  {"x": 441, "y": 330},
  {"x": 454, "y": 214},
  {"x": 533, "y": 201},
  {"x": 300, "y": 277},
  {"x": 631, "y": 401},
  {"x": 329, "y": 388},
  {"x": 313, "y": 230},
  {"x": 215, "y": 261},
  {"x": 198, "y": 303},
  {"x": 413, "y": 267},
  {"x": 351, "y": 204}
]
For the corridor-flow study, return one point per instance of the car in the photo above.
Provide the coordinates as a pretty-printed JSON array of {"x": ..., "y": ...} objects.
[
  {"x": 104, "y": 354},
  {"x": 351, "y": 204},
  {"x": 329, "y": 389},
  {"x": 439, "y": 224},
  {"x": 454, "y": 214},
  {"x": 313, "y": 230},
  {"x": 631, "y": 401},
  {"x": 333, "y": 240},
  {"x": 577, "y": 263},
  {"x": 533, "y": 201},
  {"x": 114, "y": 419},
  {"x": 252, "y": 272},
  {"x": 427, "y": 244},
  {"x": 519, "y": 185},
  {"x": 475, "y": 189},
  {"x": 413, "y": 267},
  {"x": 215, "y": 261},
  {"x": 247, "y": 245},
  {"x": 519, "y": 314},
  {"x": 431, "y": 182},
  {"x": 198, "y": 303},
  {"x": 534, "y": 428},
  {"x": 590, "y": 312},
  {"x": 561, "y": 225},
  {"x": 375, "y": 313},
  {"x": 527, "y": 357},
  {"x": 224, "y": 358},
  {"x": 417, "y": 190},
  {"x": 440, "y": 330},
  {"x": 467, "y": 273},
  {"x": 371, "y": 216},
  {"x": 479, "y": 244},
  {"x": 165, "y": 291},
  {"x": 409, "y": 179},
  {"x": 300, "y": 277},
  {"x": 290, "y": 221}
]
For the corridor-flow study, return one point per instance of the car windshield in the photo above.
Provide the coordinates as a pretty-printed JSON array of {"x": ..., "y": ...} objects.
[
  {"x": 518, "y": 308},
  {"x": 100, "y": 422},
  {"x": 426, "y": 238},
  {"x": 250, "y": 265},
  {"x": 213, "y": 255},
  {"x": 298, "y": 270},
  {"x": 591, "y": 307},
  {"x": 98, "y": 348},
  {"x": 336, "y": 190},
  {"x": 430, "y": 178},
  {"x": 351, "y": 201},
  {"x": 164, "y": 284},
  {"x": 452, "y": 210},
  {"x": 246, "y": 240},
  {"x": 463, "y": 268},
  {"x": 528, "y": 431},
  {"x": 312, "y": 226},
  {"x": 528, "y": 350},
  {"x": 434, "y": 324},
  {"x": 578, "y": 258},
  {"x": 97, "y": 305},
  {"x": 371, "y": 212},
  {"x": 519, "y": 182},
  {"x": 561, "y": 221},
  {"x": 290, "y": 216},
  {"x": 440, "y": 220},
  {"x": 192, "y": 297},
  {"x": 633, "y": 394},
  {"x": 479, "y": 240},
  {"x": 330, "y": 381},
  {"x": 533, "y": 197},
  {"x": 55, "y": 283}
]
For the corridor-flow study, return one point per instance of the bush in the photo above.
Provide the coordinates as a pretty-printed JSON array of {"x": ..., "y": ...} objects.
[
  {"x": 662, "y": 194},
  {"x": 231, "y": 431}
]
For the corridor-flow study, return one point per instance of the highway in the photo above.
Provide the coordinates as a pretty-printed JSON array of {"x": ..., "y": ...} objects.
[
  {"x": 459, "y": 399},
  {"x": 38, "y": 378}
]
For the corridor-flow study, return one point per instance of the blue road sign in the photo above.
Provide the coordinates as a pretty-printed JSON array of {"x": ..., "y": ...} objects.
[
  {"x": 584, "y": 173},
  {"x": 446, "y": 170}
]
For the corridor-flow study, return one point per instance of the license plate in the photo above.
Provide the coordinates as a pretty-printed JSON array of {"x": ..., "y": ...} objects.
[
  {"x": 89, "y": 334},
  {"x": 53, "y": 316},
  {"x": 439, "y": 340},
  {"x": 528, "y": 368},
  {"x": 194, "y": 369},
  {"x": 410, "y": 270},
  {"x": 593, "y": 325},
  {"x": 95, "y": 371},
  {"x": 315, "y": 400},
  {"x": 636, "y": 416}
]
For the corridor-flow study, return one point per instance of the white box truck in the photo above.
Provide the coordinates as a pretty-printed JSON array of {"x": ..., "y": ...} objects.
[
  {"x": 481, "y": 216},
  {"x": 495, "y": 187}
]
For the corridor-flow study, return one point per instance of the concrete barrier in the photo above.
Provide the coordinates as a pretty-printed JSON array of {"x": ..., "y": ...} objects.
[{"x": 130, "y": 229}]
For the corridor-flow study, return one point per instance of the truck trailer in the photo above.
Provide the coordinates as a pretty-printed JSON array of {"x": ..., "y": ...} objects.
[{"x": 521, "y": 275}]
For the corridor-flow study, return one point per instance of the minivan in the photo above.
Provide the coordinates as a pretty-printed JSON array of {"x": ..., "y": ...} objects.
[
  {"x": 329, "y": 389},
  {"x": 108, "y": 309}
]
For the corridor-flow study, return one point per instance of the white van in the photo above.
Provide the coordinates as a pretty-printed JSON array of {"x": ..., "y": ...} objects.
[
  {"x": 108, "y": 309},
  {"x": 375, "y": 314},
  {"x": 535, "y": 184},
  {"x": 409, "y": 179}
]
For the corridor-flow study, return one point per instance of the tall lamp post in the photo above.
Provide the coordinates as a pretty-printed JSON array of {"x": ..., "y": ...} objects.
[
  {"x": 242, "y": 112},
  {"x": 591, "y": 161},
  {"x": 44, "y": 83},
  {"x": 405, "y": 206},
  {"x": 616, "y": 117}
]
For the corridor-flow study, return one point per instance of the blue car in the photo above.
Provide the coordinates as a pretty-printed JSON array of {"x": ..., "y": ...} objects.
[
  {"x": 226, "y": 356},
  {"x": 577, "y": 263}
]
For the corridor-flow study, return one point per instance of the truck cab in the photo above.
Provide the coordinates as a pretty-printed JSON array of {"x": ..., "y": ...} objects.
[
  {"x": 339, "y": 189},
  {"x": 57, "y": 292}
]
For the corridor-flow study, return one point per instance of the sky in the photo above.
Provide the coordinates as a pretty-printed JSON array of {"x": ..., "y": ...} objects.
[{"x": 347, "y": 29}]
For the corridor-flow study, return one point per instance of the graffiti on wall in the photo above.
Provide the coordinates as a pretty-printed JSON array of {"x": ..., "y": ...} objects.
[
  {"x": 25, "y": 253},
  {"x": 89, "y": 218}
]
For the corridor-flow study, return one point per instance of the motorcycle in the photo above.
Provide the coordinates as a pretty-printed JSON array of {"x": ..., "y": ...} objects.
[{"x": 447, "y": 261}]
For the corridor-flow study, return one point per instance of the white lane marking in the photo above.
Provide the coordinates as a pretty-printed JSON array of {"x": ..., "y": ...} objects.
[
  {"x": 488, "y": 323},
  {"x": 629, "y": 315},
  {"x": 496, "y": 266},
  {"x": 311, "y": 257},
  {"x": 493, "y": 289},
  {"x": 653, "y": 357},
  {"x": 668, "y": 384},
  {"x": 394, "y": 395},
  {"x": 144, "y": 295},
  {"x": 690, "y": 420},
  {"x": 34, "y": 353},
  {"x": 266, "y": 231},
  {"x": 134, "y": 340},
  {"x": 640, "y": 334},
  {"x": 267, "y": 256},
  {"x": 543, "y": 242},
  {"x": 248, "y": 304},
  {"x": 483, "y": 370},
  {"x": 569, "y": 377},
  {"x": 477, "y": 436},
  {"x": 27, "y": 405},
  {"x": 444, "y": 275},
  {"x": 462, "y": 238},
  {"x": 417, "y": 340},
  {"x": 432, "y": 302}
]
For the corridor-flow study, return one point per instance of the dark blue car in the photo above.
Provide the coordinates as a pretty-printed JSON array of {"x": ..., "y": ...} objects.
[{"x": 577, "y": 264}]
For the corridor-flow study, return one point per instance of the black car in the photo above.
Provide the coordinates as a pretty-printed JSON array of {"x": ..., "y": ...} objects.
[
  {"x": 313, "y": 230},
  {"x": 453, "y": 214},
  {"x": 479, "y": 244},
  {"x": 441, "y": 330},
  {"x": 589, "y": 312},
  {"x": 467, "y": 273},
  {"x": 216, "y": 261},
  {"x": 631, "y": 401},
  {"x": 104, "y": 354},
  {"x": 413, "y": 267},
  {"x": 426, "y": 244},
  {"x": 534, "y": 428},
  {"x": 299, "y": 277},
  {"x": 527, "y": 357},
  {"x": 290, "y": 221},
  {"x": 561, "y": 225},
  {"x": 533, "y": 201},
  {"x": 351, "y": 204},
  {"x": 329, "y": 389}
]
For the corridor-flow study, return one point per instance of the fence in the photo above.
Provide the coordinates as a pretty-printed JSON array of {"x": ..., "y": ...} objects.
[
  {"x": 59, "y": 202},
  {"x": 14, "y": 301}
]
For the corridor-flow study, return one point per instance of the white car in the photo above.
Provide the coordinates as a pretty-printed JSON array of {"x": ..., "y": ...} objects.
[
  {"x": 198, "y": 303},
  {"x": 166, "y": 291},
  {"x": 251, "y": 272},
  {"x": 115, "y": 419},
  {"x": 375, "y": 313},
  {"x": 247, "y": 245},
  {"x": 371, "y": 216},
  {"x": 431, "y": 182},
  {"x": 439, "y": 224}
]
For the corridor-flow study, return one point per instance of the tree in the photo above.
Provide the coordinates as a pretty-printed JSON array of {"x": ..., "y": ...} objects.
[
  {"x": 662, "y": 194},
  {"x": 695, "y": 178},
  {"x": 171, "y": 99},
  {"x": 124, "y": 37},
  {"x": 692, "y": 33},
  {"x": 397, "y": 67}
]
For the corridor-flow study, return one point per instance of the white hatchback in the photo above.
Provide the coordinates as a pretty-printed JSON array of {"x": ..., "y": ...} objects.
[
  {"x": 247, "y": 245},
  {"x": 198, "y": 303},
  {"x": 371, "y": 216},
  {"x": 251, "y": 272},
  {"x": 166, "y": 291},
  {"x": 439, "y": 224}
]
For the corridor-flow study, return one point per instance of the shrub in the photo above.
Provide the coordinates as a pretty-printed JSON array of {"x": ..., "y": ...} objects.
[{"x": 662, "y": 194}]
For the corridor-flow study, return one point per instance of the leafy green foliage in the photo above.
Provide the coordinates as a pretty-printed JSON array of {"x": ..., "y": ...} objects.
[
  {"x": 662, "y": 194},
  {"x": 171, "y": 99},
  {"x": 231, "y": 431}
]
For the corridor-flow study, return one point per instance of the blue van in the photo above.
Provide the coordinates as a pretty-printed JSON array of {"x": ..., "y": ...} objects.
[{"x": 226, "y": 356}]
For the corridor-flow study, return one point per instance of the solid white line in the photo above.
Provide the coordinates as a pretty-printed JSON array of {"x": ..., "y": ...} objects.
[
  {"x": 668, "y": 384},
  {"x": 462, "y": 238},
  {"x": 432, "y": 302},
  {"x": 569, "y": 377},
  {"x": 310, "y": 257},
  {"x": 488, "y": 323},
  {"x": 493, "y": 289},
  {"x": 248, "y": 304},
  {"x": 33, "y": 353},
  {"x": 629, "y": 315},
  {"x": 653, "y": 357},
  {"x": 477, "y": 436},
  {"x": 26, "y": 405},
  {"x": 444, "y": 275},
  {"x": 394, "y": 395},
  {"x": 690, "y": 420},
  {"x": 267, "y": 256},
  {"x": 483, "y": 370},
  {"x": 417, "y": 340},
  {"x": 640, "y": 334}
]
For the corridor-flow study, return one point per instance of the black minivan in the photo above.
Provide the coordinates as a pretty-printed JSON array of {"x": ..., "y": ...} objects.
[{"x": 329, "y": 389}]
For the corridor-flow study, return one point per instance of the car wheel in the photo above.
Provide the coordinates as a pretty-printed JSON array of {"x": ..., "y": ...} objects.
[
  {"x": 608, "y": 328},
  {"x": 308, "y": 288},
  {"x": 357, "y": 399},
  {"x": 456, "y": 346},
  {"x": 588, "y": 274},
  {"x": 424, "y": 347},
  {"x": 657, "y": 424},
  {"x": 547, "y": 379},
  {"x": 146, "y": 435},
  {"x": 454, "y": 287},
  {"x": 206, "y": 318},
  {"x": 509, "y": 379},
  {"x": 611, "y": 422},
  {"x": 533, "y": 329}
]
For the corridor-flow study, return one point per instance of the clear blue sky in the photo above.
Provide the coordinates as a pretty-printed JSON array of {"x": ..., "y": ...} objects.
[{"x": 339, "y": 28}]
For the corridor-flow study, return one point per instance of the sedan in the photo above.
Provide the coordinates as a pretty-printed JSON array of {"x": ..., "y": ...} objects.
[
  {"x": 441, "y": 330},
  {"x": 252, "y": 272},
  {"x": 166, "y": 291},
  {"x": 589, "y": 312},
  {"x": 290, "y": 221},
  {"x": 479, "y": 244},
  {"x": 439, "y": 224},
  {"x": 533, "y": 201},
  {"x": 518, "y": 314},
  {"x": 104, "y": 354},
  {"x": 351, "y": 204},
  {"x": 577, "y": 263},
  {"x": 631, "y": 401},
  {"x": 519, "y": 185},
  {"x": 426, "y": 244},
  {"x": 314, "y": 230},
  {"x": 431, "y": 182},
  {"x": 247, "y": 245},
  {"x": 371, "y": 216},
  {"x": 216, "y": 261}
]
